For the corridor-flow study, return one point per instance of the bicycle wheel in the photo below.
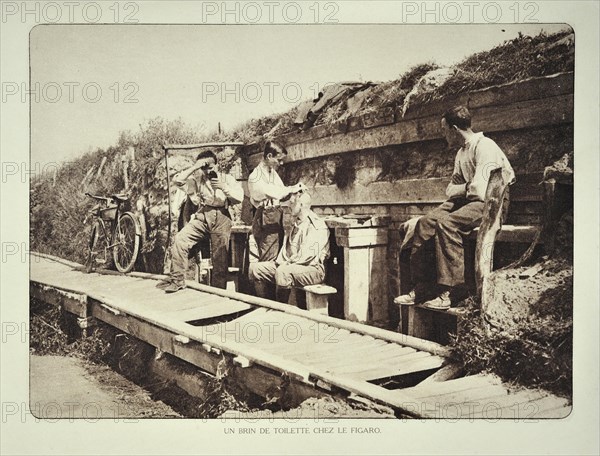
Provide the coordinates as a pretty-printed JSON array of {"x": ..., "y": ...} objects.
[
  {"x": 126, "y": 242},
  {"x": 97, "y": 247}
]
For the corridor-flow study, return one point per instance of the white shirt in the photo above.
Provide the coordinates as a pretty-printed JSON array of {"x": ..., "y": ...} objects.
[
  {"x": 265, "y": 184},
  {"x": 306, "y": 243},
  {"x": 474, "y": 162}
]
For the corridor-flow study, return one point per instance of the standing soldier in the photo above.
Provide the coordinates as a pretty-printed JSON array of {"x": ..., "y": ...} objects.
[
  {"x": 212, "y": 192},
  {"x": 266, "y": 190}
]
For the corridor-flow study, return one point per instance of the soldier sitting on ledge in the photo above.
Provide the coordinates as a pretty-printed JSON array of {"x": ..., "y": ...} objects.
[
  {"x": 477, "y": 157},
  {"x": 300, "y": 260}
]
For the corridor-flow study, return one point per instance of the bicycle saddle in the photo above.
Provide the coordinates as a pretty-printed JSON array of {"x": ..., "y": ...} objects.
[{"x": 120, "y": 197}]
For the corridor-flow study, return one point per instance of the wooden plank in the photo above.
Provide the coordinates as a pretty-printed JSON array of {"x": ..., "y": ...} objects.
[
  {"x": 281, "y": 340},
  {"x": 182, "y": 301},
  {"x": 383, "y": 116},
  {"x": 210, "y": 311},
  {"x": 75, "y": 303},
  {"x": 361, "y": 237},
  {"x": 158, "y": 337},
  {"x": 519, "y": 114},
  {"x": 489, "y": 402},
  {"x": 383, "y": 355},
  {"x": 396, "y": 362},
  {"x": 341, "y": 351},
  {"x": 418, "y": 365},
  {"x": 295, "y": 370},
  {"x": 420, "y": 323},
  {"x": 180, "y": 336},
  {"x": 292, "y": 311},
  {"x": 404, "y": 191},
  {"x": 529, "y": 89},
  {"x": 448, "y": 372},
  {"x": 558, "y": 412},
  {"x": 307, "y": 346},
  {"x": 513, "y": 233},
  {"x": 546, "y": 402},
  {"x": 422, "y": 391},
  {"x": 391, "y": 362},
  {"x": 470, "y": 395},
  {"x": 521, "y": 405},
  {"x": 429, "y": 192},
  {"x": 401, "y": 212}
]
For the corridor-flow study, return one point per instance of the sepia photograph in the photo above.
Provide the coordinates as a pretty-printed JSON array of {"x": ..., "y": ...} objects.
[
  {"x": 397, "y": 243},
  {"x": 270, "y": 221}
]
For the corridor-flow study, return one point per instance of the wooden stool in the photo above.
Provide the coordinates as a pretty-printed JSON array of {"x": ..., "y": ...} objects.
[
  {"x": 431, "y": 324},
  {"x": 316, "y": 297}
]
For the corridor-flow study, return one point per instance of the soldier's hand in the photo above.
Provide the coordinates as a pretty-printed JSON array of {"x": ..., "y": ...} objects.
[
  {"x": 217, "y": 184},
  {"x": 200, "y": 163},
  {"x": 458, "y": 179},
  {"x": 298, "y": 188}
]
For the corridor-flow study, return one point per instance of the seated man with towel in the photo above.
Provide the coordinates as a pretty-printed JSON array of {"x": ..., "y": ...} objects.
[{"x": 300, "y": 261}]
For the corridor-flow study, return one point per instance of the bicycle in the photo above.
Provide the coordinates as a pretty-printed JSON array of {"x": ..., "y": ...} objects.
[{"x": 123, "y": 238}]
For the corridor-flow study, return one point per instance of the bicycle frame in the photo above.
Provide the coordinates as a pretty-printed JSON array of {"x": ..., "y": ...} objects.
[
  {"x": 122, "y": 236},
  {"x": 113, "y": 226},
  {"x": 108, "y": 230}
]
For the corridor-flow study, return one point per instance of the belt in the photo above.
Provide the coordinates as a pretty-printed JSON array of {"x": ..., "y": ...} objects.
[
  {"x": 206, "y": 207},
  {"x": 263, "y": 204}
]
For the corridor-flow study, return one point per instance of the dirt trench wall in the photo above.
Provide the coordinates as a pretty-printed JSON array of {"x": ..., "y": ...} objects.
[{"x": 400, "y": 165}]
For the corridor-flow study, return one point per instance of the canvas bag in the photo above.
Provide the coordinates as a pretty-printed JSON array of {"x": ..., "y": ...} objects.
[{"x": 271, "y": 214}]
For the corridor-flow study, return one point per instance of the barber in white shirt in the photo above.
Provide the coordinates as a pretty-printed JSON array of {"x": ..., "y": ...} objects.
[{"x": 266, "y": 190}]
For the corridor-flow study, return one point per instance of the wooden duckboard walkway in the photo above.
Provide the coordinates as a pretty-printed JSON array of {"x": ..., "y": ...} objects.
[{"x": 266, "y": 343}]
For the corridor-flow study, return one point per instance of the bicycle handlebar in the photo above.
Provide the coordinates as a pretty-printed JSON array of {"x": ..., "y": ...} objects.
[{"x": 114, "y": 198}]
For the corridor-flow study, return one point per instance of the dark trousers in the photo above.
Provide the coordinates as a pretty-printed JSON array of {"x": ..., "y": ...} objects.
[
  {"x": 444, "y": 227},
  {"x": 210, "y": 223},
  {"x": 268, "y": 236}
]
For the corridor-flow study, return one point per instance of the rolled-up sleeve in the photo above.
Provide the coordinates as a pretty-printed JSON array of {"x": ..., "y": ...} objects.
[
  {"x": 261, "y": 188},
  {"x": 177, "y": 181}
]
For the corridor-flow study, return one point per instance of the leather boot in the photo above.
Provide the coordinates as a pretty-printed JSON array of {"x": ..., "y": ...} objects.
[
  {"x": 264, "y": 290},
  {"x": 283, "y": 295}
]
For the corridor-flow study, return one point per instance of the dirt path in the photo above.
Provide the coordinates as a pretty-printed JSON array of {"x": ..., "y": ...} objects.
[{"x": 70, "y": 388}]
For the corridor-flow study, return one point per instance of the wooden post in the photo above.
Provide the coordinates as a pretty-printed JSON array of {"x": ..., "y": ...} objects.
[
  {"x": 101, "y": 167},
  {"x": 125, "y": 166},
  {"x": 490, "y": 225},
  {"x": 365, "y": 276},
  {"x": 87, "y": 175},
  {"x": 549, "y": 226}
]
